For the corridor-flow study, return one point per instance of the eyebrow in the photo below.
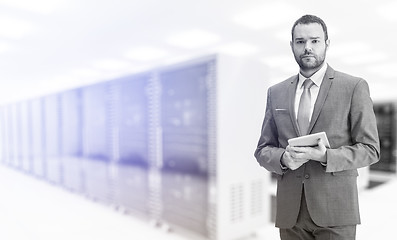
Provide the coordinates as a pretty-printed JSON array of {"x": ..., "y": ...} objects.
[{"x": 309, "y": 38}]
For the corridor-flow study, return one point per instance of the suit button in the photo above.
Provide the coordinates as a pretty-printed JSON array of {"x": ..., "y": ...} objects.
[{"x": 307, "y": 176}]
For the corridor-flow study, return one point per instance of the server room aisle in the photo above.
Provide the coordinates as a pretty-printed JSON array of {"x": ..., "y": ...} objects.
[
  {"x": 31, "y": 209},
  {"x": 378, "y": 212}
]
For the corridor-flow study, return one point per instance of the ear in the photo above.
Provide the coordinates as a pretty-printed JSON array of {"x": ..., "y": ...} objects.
[
  {"x": 327, "y": 43},
  {"x": 291, "y": 44}
]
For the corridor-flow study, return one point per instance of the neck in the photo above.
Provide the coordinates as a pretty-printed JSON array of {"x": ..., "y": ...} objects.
[{"x": 307, "y": 73}]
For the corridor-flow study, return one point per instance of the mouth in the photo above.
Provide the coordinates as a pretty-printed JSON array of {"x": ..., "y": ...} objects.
[{"x": 307, "y": 58}]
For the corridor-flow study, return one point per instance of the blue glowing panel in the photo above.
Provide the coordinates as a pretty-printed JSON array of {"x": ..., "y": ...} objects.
[
  {"x": 97, "y": 142},
  {"x": 184, "y": 121},
  {"x": 132, "y": 188},
  {"x": 53, "y": 137},
  {"x": 131, "y": 178},
  {"x": 185, "y": 200},
  {"x": 15, "y": 125},
  {"x": 71, "y": 139},
  {"x": 9, "y": 135},
  {"x": 3, "y": 135},
  {"x": 96, "y": 122},
  {"x": 71, "y": 125},
  {"x": 38, "y": 137},
  {"x": 97, "y": 181},
  {"x": 26, "y": 136},
  {"x": 132, "y": 121}
]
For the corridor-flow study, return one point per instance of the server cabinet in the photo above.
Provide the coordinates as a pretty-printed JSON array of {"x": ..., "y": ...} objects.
[
  {"x": 38, "y": 137},
  {"x": 52, "y": 136},
  {"x": 26, "y": 137},
  {"x": 174, "y": 144},
  {"x": 6, "y": 132},
  {"x": 3, "y": 136},
  {"x": 131, "y": 131},
  {"x": 184, "y": 116},
  {"x": 97, "y": 142},
  {"x": 211, "y": 185},
  {"x": 386, "y": 123},
  {"x": 8, "y": 137},
  {"x": 13, "y": 138},
  {"x": 242, "y": 185},
  {"x": 71, "y": 139}
]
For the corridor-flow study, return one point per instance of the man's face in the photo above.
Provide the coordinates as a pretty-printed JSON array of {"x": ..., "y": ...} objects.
[{"x": 309, "y": 46}]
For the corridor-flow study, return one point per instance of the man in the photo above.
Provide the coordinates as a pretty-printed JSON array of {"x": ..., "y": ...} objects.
[{"x": 317, "y": 194}]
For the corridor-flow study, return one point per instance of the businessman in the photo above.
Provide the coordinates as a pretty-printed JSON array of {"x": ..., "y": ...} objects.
[{"x": 317, "y": 195}]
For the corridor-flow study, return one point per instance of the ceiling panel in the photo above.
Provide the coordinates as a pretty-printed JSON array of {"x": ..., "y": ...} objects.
[{"x": 51, "y": 45}]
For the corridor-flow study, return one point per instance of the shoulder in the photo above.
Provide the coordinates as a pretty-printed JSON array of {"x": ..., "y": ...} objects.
[
  {"x": 344, "y": 78},
  {"x": 345, "y": 82},
  {"x": 283, "y": 86}
]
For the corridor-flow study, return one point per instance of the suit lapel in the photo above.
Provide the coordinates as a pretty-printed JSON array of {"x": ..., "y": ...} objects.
[
  {"x": 322, "y": 95},
  {"x": 291, "y": 99}
]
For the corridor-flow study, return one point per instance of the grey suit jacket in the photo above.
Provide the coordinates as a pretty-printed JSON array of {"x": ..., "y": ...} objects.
[{"x": 343, "y": 110}]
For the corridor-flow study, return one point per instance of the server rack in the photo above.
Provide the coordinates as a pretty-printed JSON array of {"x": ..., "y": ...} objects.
[
  {"x": 174, "y": 144},
  {"x": 185, "y": 153},
  {"x": 97, "y": 141},
  {"x": 26, "y": 131},
  {"x": 210, "y": 120},
  {"x": 131, "y": 145},
  {"x": 52, "y": 132},
  {"x": 72, "y": 140},
  {"x": 3, "y": 136},
  {"x": 13, "y": 124},
  {"x": 38, "y": 138},
  {"x": 8, "y": 148},
  {"x": 386, "y": 123}
]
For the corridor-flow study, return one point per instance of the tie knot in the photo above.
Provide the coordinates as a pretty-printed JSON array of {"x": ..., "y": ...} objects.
[{"x": 308, "y": 83}]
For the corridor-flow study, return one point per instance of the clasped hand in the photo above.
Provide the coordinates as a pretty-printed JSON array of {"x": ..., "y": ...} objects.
[{"x": 294, "y": 157}]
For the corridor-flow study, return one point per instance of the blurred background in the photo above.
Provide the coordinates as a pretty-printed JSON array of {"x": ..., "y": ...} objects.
[{"x": 138, "y": 119}]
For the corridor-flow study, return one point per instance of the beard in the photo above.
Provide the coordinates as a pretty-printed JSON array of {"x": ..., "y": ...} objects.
[{"x": 310, "y": 61}]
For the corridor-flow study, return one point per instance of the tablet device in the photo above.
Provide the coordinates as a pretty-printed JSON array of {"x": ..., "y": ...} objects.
[{"x": 309, "y": 140}]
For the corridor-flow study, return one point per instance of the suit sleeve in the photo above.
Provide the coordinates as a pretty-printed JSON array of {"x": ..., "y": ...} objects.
[
  {"x": 364, "y": 150},
  {"x": 268, "y": 153}
]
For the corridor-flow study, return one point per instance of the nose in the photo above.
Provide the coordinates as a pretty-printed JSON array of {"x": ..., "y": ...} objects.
[{"x": 308, "y": 47}]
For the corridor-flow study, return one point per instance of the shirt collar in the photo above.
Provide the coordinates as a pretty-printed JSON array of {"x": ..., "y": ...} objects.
[{"x": 317, "y": 77}]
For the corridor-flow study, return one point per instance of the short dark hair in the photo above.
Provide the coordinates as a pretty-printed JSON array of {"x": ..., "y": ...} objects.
[{"x": 306, "y": 19}]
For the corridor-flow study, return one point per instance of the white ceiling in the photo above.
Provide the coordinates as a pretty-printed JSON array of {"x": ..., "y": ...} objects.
[{"x": 49, "y": 45}]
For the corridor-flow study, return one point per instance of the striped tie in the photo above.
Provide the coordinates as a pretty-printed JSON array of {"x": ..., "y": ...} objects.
[{"x": 304, "y": 107}]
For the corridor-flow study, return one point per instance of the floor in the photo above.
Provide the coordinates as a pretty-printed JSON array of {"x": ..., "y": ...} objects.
[{"x": 31, "y": 209}]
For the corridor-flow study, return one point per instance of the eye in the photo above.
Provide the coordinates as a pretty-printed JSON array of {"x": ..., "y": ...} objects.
[
  {"x": 300, "y": 41},
  {"x": 315, "y": 41}
]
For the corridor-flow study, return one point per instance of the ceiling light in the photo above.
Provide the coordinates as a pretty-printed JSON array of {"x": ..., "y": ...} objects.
[
  {"x": 86, "y": 73},
  {"x": 278, "y": 61},
  {"x": 145, "y": 53},
  {"x": 384, "y": 70},
  {"x": 364, "y": 58},
  {"x": 193, "y": 39},
  {"x": 14, "y": 28},
  {"x": 267, "y": 15},
  {"x": 181, "y": 58},
  {"x": 388, "y": 11},
  {"x": 238, "y": 49},
  {"x": 38, "y": 6},
  {"x": 348, "y": 49},
  {"x": 284, "y": 35},
  {"x": 4, "y": 47},
  {"x": 111, "y": 64}
]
